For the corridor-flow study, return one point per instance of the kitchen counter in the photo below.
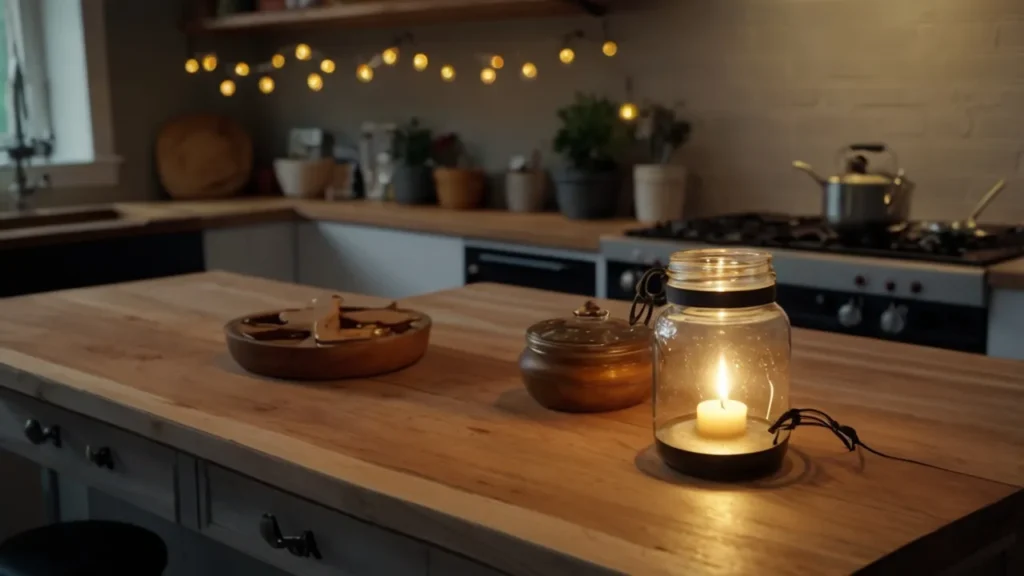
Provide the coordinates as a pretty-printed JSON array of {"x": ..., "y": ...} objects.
[
  {"x": 547, "y": 229},
  {"x": 1007, "y": 275},
  {"x": 453, "y": 452}
]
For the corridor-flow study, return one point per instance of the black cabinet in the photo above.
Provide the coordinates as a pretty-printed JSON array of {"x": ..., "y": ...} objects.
[{"x": 74, "y": 265}]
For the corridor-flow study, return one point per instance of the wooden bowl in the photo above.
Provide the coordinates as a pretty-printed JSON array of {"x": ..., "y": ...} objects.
[{"x": 307, "y": 360}]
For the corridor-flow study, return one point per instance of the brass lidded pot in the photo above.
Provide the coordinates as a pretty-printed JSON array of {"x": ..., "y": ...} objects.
[{"x": 588, "y": 362}]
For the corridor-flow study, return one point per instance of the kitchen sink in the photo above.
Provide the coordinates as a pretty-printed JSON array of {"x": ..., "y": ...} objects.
[{"x": 32, "y": 219}]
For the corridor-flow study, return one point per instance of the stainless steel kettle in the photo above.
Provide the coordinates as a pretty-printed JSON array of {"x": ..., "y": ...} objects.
[{"x": 863, "y": 196}]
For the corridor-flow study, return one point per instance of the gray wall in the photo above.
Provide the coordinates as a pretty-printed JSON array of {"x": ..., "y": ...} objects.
[{"x": 765, "y": 81}]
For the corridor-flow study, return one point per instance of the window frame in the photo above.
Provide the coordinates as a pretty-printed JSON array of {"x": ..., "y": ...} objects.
[{"x": 35, "y": 42}]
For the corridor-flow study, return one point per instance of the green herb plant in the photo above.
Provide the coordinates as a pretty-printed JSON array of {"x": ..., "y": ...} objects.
[{"x": 591, "y": 135}]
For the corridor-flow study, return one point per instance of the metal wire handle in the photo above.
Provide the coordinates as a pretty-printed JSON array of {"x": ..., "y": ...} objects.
[{"x": 646, "y": 300}]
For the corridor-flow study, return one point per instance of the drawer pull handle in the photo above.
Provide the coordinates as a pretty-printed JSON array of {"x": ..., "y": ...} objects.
[
  {"x": 303, "y": 546},
  {"x": 38, "y": 434},
  {"x": 102, "y": 457}
]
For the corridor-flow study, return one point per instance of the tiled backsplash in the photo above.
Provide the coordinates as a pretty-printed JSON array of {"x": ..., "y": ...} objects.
[{"x": 765, "y": 82}]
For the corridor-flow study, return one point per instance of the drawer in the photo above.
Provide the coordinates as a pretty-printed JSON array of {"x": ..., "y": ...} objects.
[
  {"x": 140, "y": 471},
  {"x": 232, "y": 507}
]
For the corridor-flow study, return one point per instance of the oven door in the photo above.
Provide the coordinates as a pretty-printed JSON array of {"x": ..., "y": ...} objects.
[{"x": 531, "y": 271}]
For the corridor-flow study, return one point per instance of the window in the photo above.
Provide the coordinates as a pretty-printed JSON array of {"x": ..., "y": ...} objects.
[{"x": 61, "y": 45}]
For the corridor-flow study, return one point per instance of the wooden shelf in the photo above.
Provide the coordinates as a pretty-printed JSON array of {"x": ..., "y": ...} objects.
[{"x": 380, "y": 13}]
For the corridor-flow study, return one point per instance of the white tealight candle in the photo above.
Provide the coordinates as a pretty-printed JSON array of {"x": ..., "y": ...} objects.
[{"x": 721, "y": 418}]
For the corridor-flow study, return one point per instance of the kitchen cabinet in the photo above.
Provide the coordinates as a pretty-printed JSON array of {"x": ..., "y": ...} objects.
[
  {"x": 377, "y": 261},
  {"x": 76, "y": 264},
  {"x": 1006, "y": 324},
  {"x": 264, "y": 250}
]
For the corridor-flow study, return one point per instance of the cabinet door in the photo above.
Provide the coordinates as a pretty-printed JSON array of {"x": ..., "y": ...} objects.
[
  {"x": 264, "y": 250},
  {"x": 1006, "y": 324},
  {"x": 380, "y": 262}
]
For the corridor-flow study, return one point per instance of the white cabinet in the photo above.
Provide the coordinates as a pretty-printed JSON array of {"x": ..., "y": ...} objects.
[
  {"x": 377, "y": 261},
  {"x": 1006, "y": 324},
  {"x": 264, "y": 250}
]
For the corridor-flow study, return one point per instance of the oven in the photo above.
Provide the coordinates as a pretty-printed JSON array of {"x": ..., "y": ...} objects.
[
  {"x": 531, "y": 270},
  {"x": 941, "y": 325}
]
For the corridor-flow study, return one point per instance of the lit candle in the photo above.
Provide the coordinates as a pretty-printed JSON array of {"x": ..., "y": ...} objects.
[{"x": 721, "y": 418}]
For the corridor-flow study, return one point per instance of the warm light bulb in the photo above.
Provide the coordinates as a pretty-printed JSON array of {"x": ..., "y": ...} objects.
[
  {"x": 315, "y": 82},
  {"x": 420, "y": 61},
  {"x": 497, "y": 62},
  {"x": 191, "y": 65},
  {"x": 303, "y": 52},
  {"x": 277, "y": 61},
  {"x": 722, "y": 379},
  {"x": 227, "y": 87},
  {"x": 567, "y": 55},
  {"x": 447, "y": 73},
  {"x": 209, "y": 62},
  {"x": 488, "y": 76},
  {"x": 364, "y": 73},
  {"x": 389, "y": 56},
  {"x": 242, "y": 69},
  {"x": 529, "y": 70},
  {"x": 327, "y": 66},
  {"x": 610, "y": 48},
  {"x": 266, "y": 84},
  {"x": 628, "y": 111}
]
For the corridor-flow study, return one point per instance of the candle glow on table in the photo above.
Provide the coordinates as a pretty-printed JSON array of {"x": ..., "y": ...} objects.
[{"x": 721, "y": 418}]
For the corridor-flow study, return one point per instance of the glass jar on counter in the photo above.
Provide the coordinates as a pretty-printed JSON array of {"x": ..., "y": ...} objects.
[{"x": 721, "y": 366}]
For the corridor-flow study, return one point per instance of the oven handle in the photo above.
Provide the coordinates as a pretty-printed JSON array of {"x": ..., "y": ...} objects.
[{"x": 547, "y": 265}]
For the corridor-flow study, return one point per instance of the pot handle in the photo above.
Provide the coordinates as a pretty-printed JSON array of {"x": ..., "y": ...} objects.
[{"x": 874, "y": 148}]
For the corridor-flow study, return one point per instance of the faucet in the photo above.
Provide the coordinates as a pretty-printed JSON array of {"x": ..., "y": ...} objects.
[{"x": 23, "y": 149}]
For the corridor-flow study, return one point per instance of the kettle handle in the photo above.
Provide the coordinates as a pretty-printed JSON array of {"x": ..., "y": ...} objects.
[{"x": 876, "y": 148}]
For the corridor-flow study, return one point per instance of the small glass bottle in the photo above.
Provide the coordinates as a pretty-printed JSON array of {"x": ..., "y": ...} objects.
[{"x": 721, "y": 366}]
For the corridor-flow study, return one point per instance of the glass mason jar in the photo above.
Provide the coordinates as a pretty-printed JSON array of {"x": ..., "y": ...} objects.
[{"x": 721, "y": 366}]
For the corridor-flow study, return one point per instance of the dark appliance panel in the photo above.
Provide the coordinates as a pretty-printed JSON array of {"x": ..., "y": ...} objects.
[{"x": 531, "y": 271}]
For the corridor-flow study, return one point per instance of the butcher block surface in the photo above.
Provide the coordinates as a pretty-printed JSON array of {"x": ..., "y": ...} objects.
[
  {"x": 545, "y": 229},
  {"x": 454, "y": 452}
]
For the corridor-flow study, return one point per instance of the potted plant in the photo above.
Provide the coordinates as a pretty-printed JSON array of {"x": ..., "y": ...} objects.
[
  {"x": 458, "y": 187},
  {"x": 589, "y": 140},
  {"x": 659, "y": 188},
  {"x": 410, "y": 149}
]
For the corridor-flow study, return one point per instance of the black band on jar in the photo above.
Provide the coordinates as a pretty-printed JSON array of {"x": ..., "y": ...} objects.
[{"x": 730, "y": 299}]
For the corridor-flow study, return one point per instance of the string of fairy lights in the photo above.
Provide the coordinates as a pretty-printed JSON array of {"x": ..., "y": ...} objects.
[{"x": 491, "y": 65}]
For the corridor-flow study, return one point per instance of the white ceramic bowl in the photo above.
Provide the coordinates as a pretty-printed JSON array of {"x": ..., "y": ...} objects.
[{"x": 300, "y": 178}]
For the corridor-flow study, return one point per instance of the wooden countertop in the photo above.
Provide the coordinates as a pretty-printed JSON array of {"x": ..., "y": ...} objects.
[
  {"x": 547, "y": 229},
  {"x": 1008, "y": 276},
  {"x": 454, "y": 452}
]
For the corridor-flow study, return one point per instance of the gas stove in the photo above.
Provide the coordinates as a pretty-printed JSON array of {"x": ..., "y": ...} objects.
[
  {"x": 928, "y": 242},
  {"x": 916, "y": 282}
]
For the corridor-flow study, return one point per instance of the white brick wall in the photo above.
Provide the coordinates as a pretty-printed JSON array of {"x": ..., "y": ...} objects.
[{"x": 765, "y": 82}]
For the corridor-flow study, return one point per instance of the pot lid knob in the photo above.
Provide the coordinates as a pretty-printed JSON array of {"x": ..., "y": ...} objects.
[{"x": 590, "y": 309}]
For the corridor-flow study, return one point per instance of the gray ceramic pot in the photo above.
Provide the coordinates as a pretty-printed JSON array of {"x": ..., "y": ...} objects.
[
  {"x": 587, "y": 195},
  {"x": 413, "y": 185}
]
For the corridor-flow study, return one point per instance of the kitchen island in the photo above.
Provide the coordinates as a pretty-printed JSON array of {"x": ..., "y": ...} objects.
[{"x": 448, "y": 467}]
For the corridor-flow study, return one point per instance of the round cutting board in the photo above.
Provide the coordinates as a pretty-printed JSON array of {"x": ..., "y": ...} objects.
[
  {"x": 203, "y": 156},
  {"x": 305, "y": 359}
]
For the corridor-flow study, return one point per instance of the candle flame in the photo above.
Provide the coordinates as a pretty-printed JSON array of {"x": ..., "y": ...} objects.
[{"x": 722, "y": 380}]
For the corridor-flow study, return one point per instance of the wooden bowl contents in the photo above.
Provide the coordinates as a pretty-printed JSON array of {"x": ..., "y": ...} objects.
[
  {"x": 587, "y": 363},
  {"x": 327, "y": 341}
]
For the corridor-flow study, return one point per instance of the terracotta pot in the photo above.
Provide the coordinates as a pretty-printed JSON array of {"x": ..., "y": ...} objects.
[{"x": 458, "y": 188}]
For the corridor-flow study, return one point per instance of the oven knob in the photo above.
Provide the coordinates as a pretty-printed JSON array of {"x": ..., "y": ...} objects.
[
  {"x": 472, "y": 269},
  {"x": 860, "y": 281},
  {"x": 627, "y": 281},
  {"x": 849, "y": 314},
  {"x": 915, "y": 287},
  {"x": 894, "y": 319},
  {"x": 890, "y": 285}
]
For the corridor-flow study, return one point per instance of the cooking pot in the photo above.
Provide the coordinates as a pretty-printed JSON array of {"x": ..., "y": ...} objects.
[{"x": 863, "y": 196}]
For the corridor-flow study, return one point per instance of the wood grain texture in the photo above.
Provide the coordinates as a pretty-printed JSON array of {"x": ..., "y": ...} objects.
[
  {"x": 1007, "y": 275},
  {"x": 546, "y": 229},
  {"x": 454, "y": 452}
]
